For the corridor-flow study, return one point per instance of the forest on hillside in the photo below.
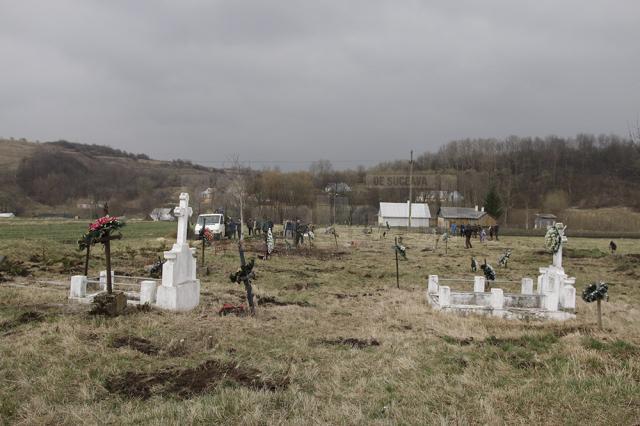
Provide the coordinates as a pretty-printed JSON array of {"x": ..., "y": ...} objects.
[{"x": 549, "y": 173}]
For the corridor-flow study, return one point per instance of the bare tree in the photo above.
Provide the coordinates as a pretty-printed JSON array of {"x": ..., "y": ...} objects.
[
  {"x": 238, "y": 187},
  {"x": 634, "y": 131}
]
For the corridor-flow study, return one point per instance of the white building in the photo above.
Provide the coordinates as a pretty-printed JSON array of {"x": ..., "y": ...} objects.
[{"x": 397, "y": 214}]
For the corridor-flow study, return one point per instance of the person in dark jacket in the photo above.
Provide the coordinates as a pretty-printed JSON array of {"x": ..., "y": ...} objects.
[
  {"x": 468, "y": 232},
  {"x": 266, "y": 225},
  {"x": 297, "y": 229},
  {"x": 288, "y": 229},
  {"x": 232, "y": 229}
]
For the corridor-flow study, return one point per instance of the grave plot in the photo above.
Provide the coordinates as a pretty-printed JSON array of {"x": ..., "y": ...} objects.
[
  {"x": 178, "y": 290},
  {"x": 554, "y": 298}
]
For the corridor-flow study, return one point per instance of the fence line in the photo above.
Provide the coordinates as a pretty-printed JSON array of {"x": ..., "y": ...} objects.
[{"x": 137, "y": 278}]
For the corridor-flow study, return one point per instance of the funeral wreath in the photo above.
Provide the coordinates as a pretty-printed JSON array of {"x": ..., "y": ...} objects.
[
  {"x": 595, "y": 291},
  {"x": 553, "y": 239}
]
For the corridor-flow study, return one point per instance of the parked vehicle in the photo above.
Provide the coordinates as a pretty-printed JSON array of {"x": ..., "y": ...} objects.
[{"x": 214, "y": 222}]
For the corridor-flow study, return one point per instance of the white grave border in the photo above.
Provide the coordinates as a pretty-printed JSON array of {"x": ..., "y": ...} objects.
[{"x": 554, "y": 298}]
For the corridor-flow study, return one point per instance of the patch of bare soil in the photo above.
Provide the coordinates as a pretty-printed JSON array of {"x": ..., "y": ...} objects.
[
  {"x": 137, "y": 343},
  {"x": 189, "y": 382},
  {"x": 272, "y": 301},
  {"x": 24, "y": 318},
  {"x": 351, "y": 341},
  {"x": 349, "y": 296},
  {"x": 13, "y": 268}
]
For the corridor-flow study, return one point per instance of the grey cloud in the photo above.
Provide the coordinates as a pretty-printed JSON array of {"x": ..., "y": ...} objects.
[{"x": 297, "y": 80}]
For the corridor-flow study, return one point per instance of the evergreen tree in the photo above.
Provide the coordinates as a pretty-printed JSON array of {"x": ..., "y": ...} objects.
[{"x": 493, "y": 203}]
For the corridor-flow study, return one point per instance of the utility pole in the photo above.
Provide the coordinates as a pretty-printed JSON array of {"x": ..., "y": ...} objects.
[{"x": 410, "y": 187}]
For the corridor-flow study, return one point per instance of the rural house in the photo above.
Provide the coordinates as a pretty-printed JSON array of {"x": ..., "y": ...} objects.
[
  {"x": 397, "y": 214},
  {"x": 543, "y": 220},
  {"x": 448, "y": 216}
]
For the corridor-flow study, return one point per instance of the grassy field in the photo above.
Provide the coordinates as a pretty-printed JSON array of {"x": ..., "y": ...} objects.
[
  {"x": 333, "y": 341},
  {"x": 68, "y": 231}
]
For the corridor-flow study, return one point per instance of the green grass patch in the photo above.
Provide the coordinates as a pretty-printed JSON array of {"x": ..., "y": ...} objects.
[
  {"x": 619, "y": 349},
  {"x": 578, "y": 253},
  {"x": 69, "y": 232}
]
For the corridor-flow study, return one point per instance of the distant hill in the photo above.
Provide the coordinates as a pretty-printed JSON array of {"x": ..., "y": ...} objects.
[{"x": 72, "y": 178}]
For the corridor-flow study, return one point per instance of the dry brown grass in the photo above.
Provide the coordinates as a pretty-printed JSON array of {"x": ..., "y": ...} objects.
[
  {"x": 13, "y": 151},
  {"x": 605, "y": 219},
  {"x": 429, "y": 367}
]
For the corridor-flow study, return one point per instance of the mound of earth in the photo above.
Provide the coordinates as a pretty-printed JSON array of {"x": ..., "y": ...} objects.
[
  {"x": 189, "y": 382},
  {"x": 24, "y": 318},
  {"x": 137, "y": 343}
]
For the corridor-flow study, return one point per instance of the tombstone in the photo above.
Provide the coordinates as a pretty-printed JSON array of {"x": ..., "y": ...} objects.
[
  {"x": 555, "y": 286},
  {"x": 148, "y": 291},
  {"x": 78, "y": 287},
  {"x": 180, "y": 290},
  {"x": 568, "y": 297},
  {"x": 497, "y": 298},
  {"x": 479, "y": 283},
  {"x": 526, "y": 286},
  {"x": 432, "y": 286},
  {"x": 444, "y": 296}
]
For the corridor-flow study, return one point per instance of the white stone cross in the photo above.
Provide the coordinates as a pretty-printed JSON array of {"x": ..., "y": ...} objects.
[
  {"x": 557, "y": 256},
  {"x": 183, "y": 213}
]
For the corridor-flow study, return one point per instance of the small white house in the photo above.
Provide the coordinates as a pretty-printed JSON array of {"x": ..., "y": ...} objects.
[{"x": 397, "y": 214}]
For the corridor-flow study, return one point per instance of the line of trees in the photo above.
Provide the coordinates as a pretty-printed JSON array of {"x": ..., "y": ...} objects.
[{"x": 585, "y": 171}]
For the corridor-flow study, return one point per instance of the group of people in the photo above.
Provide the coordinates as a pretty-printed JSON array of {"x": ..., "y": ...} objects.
[
  {"x": 468, "y": 231},
  {"x": 292, "y": 228},
  {"x": 297, "y": 230},
  {"x": 233, "y": 227}
]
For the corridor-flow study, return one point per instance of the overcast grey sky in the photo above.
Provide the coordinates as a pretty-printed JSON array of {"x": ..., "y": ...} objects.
[{"x": 294, "y": 81}]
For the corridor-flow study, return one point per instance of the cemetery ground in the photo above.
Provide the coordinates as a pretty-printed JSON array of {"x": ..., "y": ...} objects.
[{"x": 334, "y": 341}]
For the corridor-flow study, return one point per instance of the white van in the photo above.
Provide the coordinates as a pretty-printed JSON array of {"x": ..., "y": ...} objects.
[{"x": 214, "y": 222}]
